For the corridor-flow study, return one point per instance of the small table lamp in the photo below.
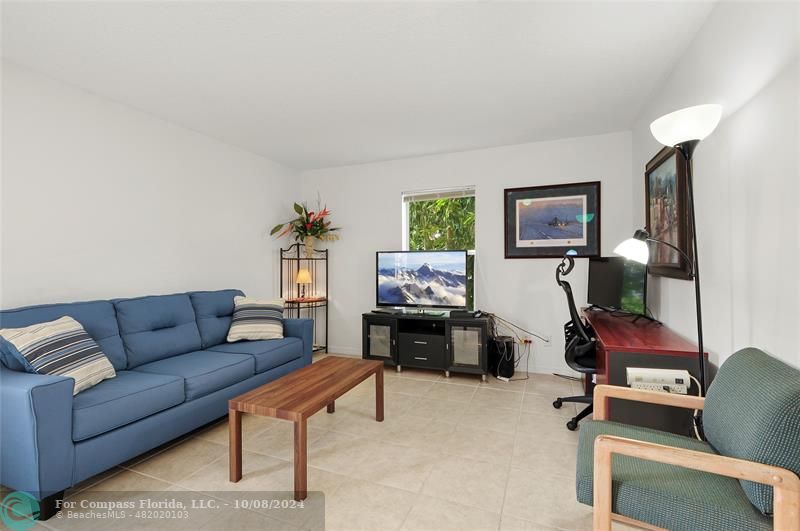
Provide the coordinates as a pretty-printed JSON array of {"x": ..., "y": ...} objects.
[{"x": 303, "y": 278}]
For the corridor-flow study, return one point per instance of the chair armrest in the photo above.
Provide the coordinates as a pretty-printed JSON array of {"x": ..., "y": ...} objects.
[
  {"x": 304, "y": 329},
  {"x": 603, "y": 392},
  {"x": 785, "y": 483},
  {"x": 36, "y": 449}
]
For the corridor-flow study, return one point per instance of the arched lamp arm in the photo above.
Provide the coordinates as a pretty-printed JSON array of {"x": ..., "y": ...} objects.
[{"x": 679, "y": 251}]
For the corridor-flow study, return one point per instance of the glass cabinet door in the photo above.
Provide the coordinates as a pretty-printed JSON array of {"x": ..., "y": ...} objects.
[
  {"x": 466, "y": 345},
  {"x": 380, "y": 340},
  {"x": 466, "y": 342}
]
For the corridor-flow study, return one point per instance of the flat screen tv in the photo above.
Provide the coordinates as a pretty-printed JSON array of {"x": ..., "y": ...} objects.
[
  {"x": 618, "y": 284},
  {"x": 435, "y": 279}
]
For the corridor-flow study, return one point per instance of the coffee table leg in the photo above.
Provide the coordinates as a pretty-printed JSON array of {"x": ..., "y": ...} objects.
[
  {"x": 235, "y": 433},
  {"x": 379, "y": 395},
  {"x": 300, "y": 460},
  {"x": 332, "y": 407}
]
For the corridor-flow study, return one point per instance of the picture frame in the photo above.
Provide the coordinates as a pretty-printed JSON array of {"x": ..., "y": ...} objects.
[
  {"x": 549, "y": 221},
  {"x": 667, "y": 214}
]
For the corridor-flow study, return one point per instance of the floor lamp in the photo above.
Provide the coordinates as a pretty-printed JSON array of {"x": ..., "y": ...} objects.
[{"x": 683, "y": 130}]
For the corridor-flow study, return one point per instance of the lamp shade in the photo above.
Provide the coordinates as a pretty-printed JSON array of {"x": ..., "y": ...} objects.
[
  {"x": 691, "y": 123},
  {"x": 634, "y": 249},
  {"x": 303, "y": 276}
]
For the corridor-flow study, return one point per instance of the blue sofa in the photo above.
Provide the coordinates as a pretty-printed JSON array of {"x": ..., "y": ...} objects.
[{"x": 175, "y": 373}]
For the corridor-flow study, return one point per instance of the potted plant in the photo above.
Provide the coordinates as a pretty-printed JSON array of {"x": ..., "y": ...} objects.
[{"x": 307, "y": 226}]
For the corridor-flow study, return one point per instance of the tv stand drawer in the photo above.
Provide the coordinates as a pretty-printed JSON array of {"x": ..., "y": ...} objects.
[{"x": 422, "y": 350}]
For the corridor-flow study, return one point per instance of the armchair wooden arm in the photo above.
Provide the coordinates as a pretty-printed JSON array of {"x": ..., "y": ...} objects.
[
  {"x": 785, "y": 483},
  {"x": 603, "y": 392}
]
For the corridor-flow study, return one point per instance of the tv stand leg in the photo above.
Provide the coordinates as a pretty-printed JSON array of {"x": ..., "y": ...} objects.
[
  {"x": 483, "y": 377},
  {"x": 447, "y": 374},
  {"x": 399, "y": 368}
]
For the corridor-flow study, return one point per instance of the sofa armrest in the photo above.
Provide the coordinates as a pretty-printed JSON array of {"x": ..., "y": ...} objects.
[
  {"x": 36, "y": 449},
  {"x": 304, "y": 329},
  {"x": 785, "y": 483},
  {"x": 603, "y": 392}
]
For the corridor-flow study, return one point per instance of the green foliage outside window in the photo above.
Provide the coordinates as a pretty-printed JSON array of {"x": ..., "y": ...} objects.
[{"x": 444, "y": 224}]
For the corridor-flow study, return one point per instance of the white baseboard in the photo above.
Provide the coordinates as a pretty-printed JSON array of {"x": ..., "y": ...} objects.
[
  {"x": 344, "y": 351},
  {"x": 535, "y": 368}
]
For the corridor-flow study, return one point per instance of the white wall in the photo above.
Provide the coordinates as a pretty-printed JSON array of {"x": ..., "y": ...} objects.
[
  {"x": 366, "y": 202},
  {"x": 746, "y": 180},
  {"x": 100, "y": 200}
]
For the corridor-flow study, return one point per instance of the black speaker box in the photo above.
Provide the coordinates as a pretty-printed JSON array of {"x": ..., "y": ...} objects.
[
  {"x": 462, "y": 314},
  {"x": 501, "y": 356}
]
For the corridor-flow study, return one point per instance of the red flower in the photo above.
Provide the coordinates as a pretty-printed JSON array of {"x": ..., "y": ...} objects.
[
  {"x": 321, "y": 214},
  {"x": 308, "y": 225}
]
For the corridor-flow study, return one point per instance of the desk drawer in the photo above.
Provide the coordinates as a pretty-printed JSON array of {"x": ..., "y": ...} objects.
[{"x": 421, "y": 350}]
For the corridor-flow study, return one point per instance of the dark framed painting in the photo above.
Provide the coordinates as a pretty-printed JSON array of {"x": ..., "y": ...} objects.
[
  {"x": 667, "y": 213},
  {"x": 549, "y": 221}
]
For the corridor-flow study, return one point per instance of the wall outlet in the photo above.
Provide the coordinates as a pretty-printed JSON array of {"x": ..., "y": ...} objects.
[{"x": 528, "y": 340}]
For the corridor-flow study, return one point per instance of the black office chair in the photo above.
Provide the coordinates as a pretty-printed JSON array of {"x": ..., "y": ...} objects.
[{"x": 580, "y": 347}]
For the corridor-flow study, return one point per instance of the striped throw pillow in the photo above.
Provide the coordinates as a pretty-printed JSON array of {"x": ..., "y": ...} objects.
[
  {"x": 256, "y": 319},
  {"x": 61, "y": 347}
]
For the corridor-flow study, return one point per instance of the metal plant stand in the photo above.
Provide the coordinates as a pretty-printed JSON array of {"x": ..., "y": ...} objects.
[{"x": 307, "y": 300}]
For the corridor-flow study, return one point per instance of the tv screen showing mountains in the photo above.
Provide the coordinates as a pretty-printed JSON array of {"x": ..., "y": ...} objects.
[{"x": 435, "y": 278}]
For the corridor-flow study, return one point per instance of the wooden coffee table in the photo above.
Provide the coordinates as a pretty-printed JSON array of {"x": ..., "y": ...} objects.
[{"x": 296, "y": 397}]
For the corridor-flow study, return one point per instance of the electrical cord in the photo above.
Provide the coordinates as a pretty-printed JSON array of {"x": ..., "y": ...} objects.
[
  {"x": 696, "y": 411},
  {"x": 517, "y": 327},
  {"x": 565, "y": 377},
  {"x": 527, "y": 349},
  {"x": 524, "y": 345},
  {"x": 493, "y": 325}
]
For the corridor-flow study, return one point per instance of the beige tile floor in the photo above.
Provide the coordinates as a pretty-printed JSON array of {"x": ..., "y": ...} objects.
[{"x": 452, "y": 453}]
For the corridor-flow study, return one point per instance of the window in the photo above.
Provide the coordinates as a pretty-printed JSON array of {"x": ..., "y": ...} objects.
[{"x": 440, "y": 220}]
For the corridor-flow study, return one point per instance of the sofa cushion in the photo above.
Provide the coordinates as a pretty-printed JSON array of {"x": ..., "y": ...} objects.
[
  {"x": 213, "y": 310},
  {"x": 664, "y": 495},
  {"x": 98, "y": 318},
  {"x": 204, "y": 371},
  {"x": 269, "y": 353},
  {"x": 255, "y": 319},
  {"x": 157, "y": 327},
  {"x": 752, "y": 412},
  {"x": 61, "y": 347},
  {"x": 127, "y": 398}
]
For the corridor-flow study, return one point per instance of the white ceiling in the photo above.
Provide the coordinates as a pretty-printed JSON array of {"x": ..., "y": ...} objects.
[{"x": 324, "y": 84}]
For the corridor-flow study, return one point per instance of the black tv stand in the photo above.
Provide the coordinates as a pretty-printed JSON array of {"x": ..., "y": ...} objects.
[{"x": 426, "y": 341}]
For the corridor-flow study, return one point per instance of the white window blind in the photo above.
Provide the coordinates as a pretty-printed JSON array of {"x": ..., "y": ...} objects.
[{"x": 440, "y": 193}]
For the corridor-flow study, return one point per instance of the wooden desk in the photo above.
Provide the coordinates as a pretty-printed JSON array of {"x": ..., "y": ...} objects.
[{"x": 622, "y": 343}]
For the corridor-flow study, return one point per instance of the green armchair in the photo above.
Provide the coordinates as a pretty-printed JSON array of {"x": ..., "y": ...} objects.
[{"x": 745, "y": 476}]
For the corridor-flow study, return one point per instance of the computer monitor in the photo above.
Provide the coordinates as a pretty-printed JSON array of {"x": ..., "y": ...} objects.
[{"x": 618, "y": 284}]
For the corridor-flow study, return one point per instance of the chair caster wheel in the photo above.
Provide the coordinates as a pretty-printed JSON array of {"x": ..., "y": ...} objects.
[
  {"x": 557, "y": 404},
  {"x": 572, "y": 425}
]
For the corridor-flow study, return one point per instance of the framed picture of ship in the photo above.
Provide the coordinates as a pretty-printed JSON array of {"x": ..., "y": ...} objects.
[
  {"x": 550, "y": 221},
  {"x": 667, "y": 213}
]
